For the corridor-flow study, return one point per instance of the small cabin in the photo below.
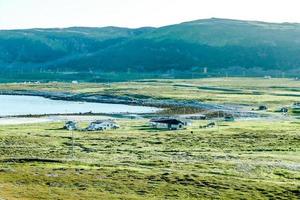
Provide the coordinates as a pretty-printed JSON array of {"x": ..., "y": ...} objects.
[
  {"x": 101, "y": 125},
  {"x": 284, "y": 110},
  {"x": 169, "y": 123},
  {"x": 229, "y": 118},
  {"x": 262, "y": 107},
  {"x": 70, "y": 125},
  {"x": 296, "y": 107}
]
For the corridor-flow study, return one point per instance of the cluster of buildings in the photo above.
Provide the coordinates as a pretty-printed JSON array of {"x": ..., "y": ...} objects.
[
  {"x": 295, "y": 108},
  {"x": 157, "y": 123},
  {"x": 166, "y": 123},
  {"x": 99, "y": 125},
  {"x": 161, "y": 123}
]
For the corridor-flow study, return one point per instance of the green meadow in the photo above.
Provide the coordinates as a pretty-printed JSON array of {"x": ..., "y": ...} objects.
[
  {"x": 274, "y": 92},
  {"x": 244, "y": 159}
]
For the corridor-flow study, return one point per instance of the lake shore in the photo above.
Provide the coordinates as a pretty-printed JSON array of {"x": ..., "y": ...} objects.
[
  {"x": 239, "y": 111},
  {"x": 21, "y": 105},
  {"x": 48, "y": 119}
]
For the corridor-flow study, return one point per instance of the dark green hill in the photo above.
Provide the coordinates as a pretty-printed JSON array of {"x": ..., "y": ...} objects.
[{"x": 221, "y": 45}]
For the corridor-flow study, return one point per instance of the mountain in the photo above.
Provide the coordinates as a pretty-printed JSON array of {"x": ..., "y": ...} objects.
[
  {"x": 46, "y": 46},
  {"x": 220, "y": 45}
]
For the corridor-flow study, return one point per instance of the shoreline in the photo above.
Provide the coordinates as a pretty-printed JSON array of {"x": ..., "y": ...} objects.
[
  {"x": 49, "y": 119},
  {"x": 236, "y": 110}
]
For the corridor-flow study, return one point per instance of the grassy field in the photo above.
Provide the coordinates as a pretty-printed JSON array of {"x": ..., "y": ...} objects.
[
  {"x": 242, "y": 91},
  {"x": 250, "y": 159},
  {"x": 246, "y": 159}
]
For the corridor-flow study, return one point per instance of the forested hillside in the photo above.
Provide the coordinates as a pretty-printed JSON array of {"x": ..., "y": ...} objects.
[{"x": 220, "y": 45}]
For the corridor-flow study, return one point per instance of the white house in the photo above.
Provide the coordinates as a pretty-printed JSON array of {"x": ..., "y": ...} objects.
[
  {"x": 296, "y": 105},
  {"x": 102, "y": 125},
  {"x": 70, "y": 126}
]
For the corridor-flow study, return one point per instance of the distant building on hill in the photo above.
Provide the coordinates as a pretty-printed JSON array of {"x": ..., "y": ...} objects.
[{"x": 267, "y": 77}]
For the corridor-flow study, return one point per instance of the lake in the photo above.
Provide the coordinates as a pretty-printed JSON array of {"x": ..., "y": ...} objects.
[{"x": 14, "y": 105}]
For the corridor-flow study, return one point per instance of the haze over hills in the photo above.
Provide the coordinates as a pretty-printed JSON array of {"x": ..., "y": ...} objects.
[{"x": 220, "y": 45}]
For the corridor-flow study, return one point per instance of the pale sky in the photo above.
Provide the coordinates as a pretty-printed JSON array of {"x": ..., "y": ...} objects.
[{"x": 20, "y": 14}]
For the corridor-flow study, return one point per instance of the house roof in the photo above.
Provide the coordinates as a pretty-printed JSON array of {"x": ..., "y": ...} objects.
[
  {"x": 168, "y": 121},
  {"x": 70, "y": 122},
  {"x": 103, "y": 121}
]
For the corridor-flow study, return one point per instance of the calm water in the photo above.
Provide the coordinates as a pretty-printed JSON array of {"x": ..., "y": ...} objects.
[{"x": 25, "y": 105}]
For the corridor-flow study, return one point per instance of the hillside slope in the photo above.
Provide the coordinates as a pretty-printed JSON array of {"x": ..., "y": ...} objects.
[{"x": 218, "y": 44}]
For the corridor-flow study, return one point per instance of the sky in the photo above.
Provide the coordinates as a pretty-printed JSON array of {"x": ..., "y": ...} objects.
[{"x": 21, "y": 14}]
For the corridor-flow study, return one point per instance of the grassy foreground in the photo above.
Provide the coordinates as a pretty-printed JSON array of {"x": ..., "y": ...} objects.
[{"x": 238, "y": 160}]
